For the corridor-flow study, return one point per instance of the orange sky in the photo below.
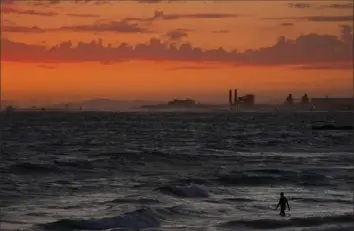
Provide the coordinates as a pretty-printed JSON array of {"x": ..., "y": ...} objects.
[{"x": 317, "y": 60}]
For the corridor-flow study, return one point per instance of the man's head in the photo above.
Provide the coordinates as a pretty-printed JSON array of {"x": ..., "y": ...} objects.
[{"x": 281, "y": 194}]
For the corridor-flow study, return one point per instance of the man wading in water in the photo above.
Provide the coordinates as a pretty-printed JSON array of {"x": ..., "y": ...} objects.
[{"x": 283, "y": 202}]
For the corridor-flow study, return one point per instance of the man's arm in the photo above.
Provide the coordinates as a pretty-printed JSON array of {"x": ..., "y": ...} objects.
[{"x": 277, "y": 205}]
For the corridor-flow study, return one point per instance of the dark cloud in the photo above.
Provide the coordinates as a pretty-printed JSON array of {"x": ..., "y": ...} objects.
[
  {"x": 299, "y": 5},
  {"x": 176, "y": 35},
  {"x": 7, "y": 2},
  {"x": 344, "y": 18},
  {"x": 22, "y": 29},
  {"x": 333, "y": 6},
  {"x": 310, "y": 49},
  {"x": 196, "y": 68},
  {"x": 11, "y": 10},
  {"x": 287, "y": 24},
  {"x": 341, "y": 18},
  {"x": 151, "y": 1},
  {"x": 96, "y": 2},
  {"x": 76, "y": 1},
  {"x": 339, "y": 6},
  {"x": 84, "y": 15},
  {"x": 160, "y": 15},
  {"x": 48, "y": 3},
  {"x": 347, "y": 33},
  {"x": 112, "y": 26}
]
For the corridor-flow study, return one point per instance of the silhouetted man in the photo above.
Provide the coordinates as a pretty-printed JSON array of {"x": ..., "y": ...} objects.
[{"x": 283, "y": 202}]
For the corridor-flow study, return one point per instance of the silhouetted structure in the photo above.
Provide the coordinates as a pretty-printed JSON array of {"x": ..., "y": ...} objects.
[
  {"x": 9, "y": 109},
  {"x": 305, "y": 100},
  {"x": 238, "y": 102},
  {"x": 235, "y": 97},
  {"x": 246, "y": 100},
  {"x": 230, "y": 99},
  {"x": 289, "y": 100},
  {"x": 182, "y": 103}
]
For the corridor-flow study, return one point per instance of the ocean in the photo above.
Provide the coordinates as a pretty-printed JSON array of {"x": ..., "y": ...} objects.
[{"x": 175, "y": 171}]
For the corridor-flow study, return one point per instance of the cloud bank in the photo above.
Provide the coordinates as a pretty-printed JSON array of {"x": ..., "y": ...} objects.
[
  {"x": 111, "y": 26},
  {"x": 339, "y": 18},
  {"x": 12, "y": 10},
  {"x": 310, "y": 49},
  {"x": 160, "y": 15}
]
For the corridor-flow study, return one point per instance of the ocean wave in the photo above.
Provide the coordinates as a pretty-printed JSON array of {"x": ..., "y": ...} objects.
[
  {"x": 292, "y": 222},
  {"x": 139, "y": 219},
  {"x": 238, "y": 200},
  {"x": 186, "y": 191},
  {"x": 252, "y": 178},
  {"x": 133, "y": 201},
  {"x": 321, "y": 200},
  {"x": 27, "y": 167},
  {"x": 77, "y": 164}
]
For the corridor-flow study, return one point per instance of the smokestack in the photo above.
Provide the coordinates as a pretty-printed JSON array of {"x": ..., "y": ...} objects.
[
  {"x": 230, "y": 97},
  {"x": 235, "y": 97}
]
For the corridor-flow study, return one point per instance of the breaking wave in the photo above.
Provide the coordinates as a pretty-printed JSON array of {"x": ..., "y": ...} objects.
[
  {"x": 293, "y": 222},
  {"x": 250, "y": 178},
  {"x": 139, "y": 219},
  {"x": 187, "y": 191}
]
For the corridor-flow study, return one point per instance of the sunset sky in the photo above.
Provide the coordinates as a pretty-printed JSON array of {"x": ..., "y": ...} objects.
[{"x": 58, "y": 51}]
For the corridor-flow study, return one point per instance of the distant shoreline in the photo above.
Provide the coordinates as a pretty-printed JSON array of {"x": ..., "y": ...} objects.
[{"x": 180, "y": 110}]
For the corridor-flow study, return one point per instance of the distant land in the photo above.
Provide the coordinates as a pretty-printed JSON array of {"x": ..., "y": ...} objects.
[
  {"x": 87, "y": 105},
  {"x": 103, "y": 105},
  {"x": 316, "y": 104},
  {"x": 5, "y": 103}
]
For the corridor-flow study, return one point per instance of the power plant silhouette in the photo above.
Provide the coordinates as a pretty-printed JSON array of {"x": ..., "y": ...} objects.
[{"x": 236, "y": 102}]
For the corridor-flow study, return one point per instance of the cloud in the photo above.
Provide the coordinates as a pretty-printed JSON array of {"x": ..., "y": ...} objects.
[
  {"x": 331, "y": 18},
  {"x": 339, "y": 6},
  {"x": 341, "y": 18},
  {"x": 48, "y": 3},
  {"x": 160, "y": 15},
  {"x": 177, "y": 34},
  {"x": 195, "y": 67},
  {"x": 333, "y": 6},
  {"x": 7, "y": 2},
  {"x": 347, "y": 33},
  {"x": 287, "y": 24},
  {"x": 96, "y": 2},
  {"x": 151, "y": 1},
  {"x": 8, "y": 22},
  {"x": 299, "y": 5},
  {"x": 22, "y": 29},
  {"x": 11, "y": 10},
  {"x": 84, "y": 15},
  {"x": 112, "y": 26},
  {"x": 74, "y": 1},
  {"x": 331, "y": 66},
  {"x": 309, "y": 49}
]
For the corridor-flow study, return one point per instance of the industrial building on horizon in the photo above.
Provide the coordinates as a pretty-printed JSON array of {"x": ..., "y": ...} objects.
[{"x": 236, "y": 102}]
